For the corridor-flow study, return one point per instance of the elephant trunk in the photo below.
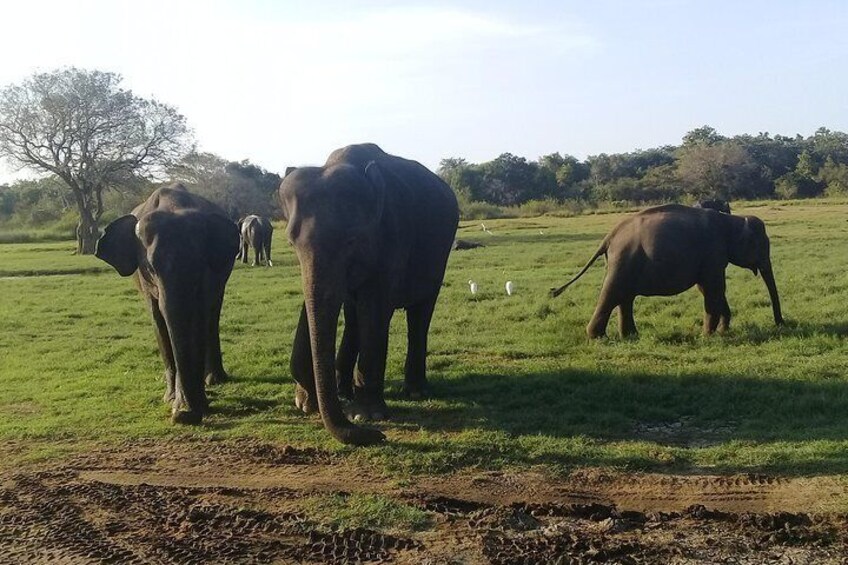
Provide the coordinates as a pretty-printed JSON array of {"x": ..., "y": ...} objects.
[
  {"x": 768, "y": 278},
  {"x": 323, "y": 300},
  {"x": 187, "y": 323}
]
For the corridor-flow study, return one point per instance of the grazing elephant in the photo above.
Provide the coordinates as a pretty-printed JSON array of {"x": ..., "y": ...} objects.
[
  {"x": 180, "y": 249},
  {"x": 373, "y": 232},
  {"x": 256, "y": 232},
  {"x": 463, "y": 244},
  {"x": 717, "y": 205},
  {"x": 667, "y": 249}
]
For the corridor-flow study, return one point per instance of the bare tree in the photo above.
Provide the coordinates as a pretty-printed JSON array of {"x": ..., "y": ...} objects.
[{"x": 82, "y": 127}]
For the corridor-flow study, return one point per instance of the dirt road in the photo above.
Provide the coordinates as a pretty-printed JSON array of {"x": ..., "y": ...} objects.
[{"x": 242, "y": 502}]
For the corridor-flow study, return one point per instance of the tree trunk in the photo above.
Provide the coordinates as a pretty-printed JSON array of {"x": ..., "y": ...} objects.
[{"x": 87, "y": 233}]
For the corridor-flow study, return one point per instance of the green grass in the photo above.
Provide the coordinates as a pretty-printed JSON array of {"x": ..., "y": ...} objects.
[
  {"x": 515, "y": 382},
  {"x": 370, "y": 511}
]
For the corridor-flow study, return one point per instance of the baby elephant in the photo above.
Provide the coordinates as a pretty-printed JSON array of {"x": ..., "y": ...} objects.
[
  {"x": 256, "y": 232},
  {"x": 665, "y": 250},
  {"x": 180, "y": 248},
  {"x": 717, "y": 205}
]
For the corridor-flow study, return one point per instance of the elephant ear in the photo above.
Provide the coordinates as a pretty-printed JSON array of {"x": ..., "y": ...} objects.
[
  {"x": 375, "y": 177},
  {"x": 222, "y": 242},
  {"x": 289, "y": 170},
  {"x": 119, "y": 246},
  {"x": 746, "y": 241}
]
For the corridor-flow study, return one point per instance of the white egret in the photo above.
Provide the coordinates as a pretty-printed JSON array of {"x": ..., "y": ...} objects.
[
  {"x": 509, "y": 288},
  {"x": 473, "y": 286}
]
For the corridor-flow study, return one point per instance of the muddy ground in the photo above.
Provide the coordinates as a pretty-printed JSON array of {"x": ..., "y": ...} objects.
[{"x": 242, "y": 502}]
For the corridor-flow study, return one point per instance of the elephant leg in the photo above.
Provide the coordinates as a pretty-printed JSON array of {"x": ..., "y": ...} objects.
[
  {"x": 714, "y": 301},
  {"x": 268, "y": 252},
  {"x": 368, "y": 385},
  {"x": 609, "y": 298},
  {"x": 244, "y": 252},
  {"x": 348, "y": 352},
  {"x": 724, "y": 320},
  {"x": 301, "y": 367},
  {"x": 418, "y": 319},
  {"x": 626, "y": 323},
  {"x": 257, "y": 249},
  {"x": 163, "y": 339},
  {"x": 214, "y": 364}
]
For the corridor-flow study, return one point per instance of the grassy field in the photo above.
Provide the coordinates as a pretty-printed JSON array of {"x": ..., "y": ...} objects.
[{"x": 515, "y": 382}]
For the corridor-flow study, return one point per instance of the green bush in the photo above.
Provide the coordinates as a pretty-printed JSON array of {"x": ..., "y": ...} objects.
[{"x": 481, "y": 211}]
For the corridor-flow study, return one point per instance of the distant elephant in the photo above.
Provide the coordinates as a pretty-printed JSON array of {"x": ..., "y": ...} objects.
[
  {"x": 463, "y": 244},
  {"x": 666, "y": 250},
  {"x": 180, "y": 249},
  {"x": 717, "y": 205},
  {"x": 256, "y": 232},
  {"x": 373, "y": 232}
]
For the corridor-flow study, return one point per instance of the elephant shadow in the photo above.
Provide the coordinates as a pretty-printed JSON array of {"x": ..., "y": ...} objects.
[{"x": 678, "y": 411}]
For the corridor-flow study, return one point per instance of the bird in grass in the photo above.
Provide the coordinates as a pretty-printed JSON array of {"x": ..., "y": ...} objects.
[
  {"x": 473, "y": 286},
  {"x": 509, "y": 288},
  {"x": 485, "y": 229}
]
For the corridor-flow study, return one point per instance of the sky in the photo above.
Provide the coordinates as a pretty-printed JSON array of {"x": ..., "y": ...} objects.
[{"x": 285, "y": 82}]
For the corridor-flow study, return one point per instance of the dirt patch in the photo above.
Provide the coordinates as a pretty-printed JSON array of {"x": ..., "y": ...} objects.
[{"x": 242, "y": 502}]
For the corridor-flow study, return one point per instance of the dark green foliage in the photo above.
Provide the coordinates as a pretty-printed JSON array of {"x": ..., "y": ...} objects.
[
  {"x": 705, "y": 165},
  {"x": 240, "y": 188}
]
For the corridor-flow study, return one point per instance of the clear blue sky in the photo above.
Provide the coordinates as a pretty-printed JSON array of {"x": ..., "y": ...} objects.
[{"x": 284, "y": 83}]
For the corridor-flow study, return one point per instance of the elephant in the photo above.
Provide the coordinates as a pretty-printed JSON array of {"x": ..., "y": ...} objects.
[
  {"x": 372, "y": 232},
  {"x": 463, "y": 244},
  {"x": 256, "y": 232},
  {"x": 180, "y": 248},
  {"x": 717, "y": 205},
  {"x": 665, "y": 250}
]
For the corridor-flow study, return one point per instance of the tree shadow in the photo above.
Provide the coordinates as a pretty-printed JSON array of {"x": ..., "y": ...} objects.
[
  {"x": 673, "y": 411},
  {"x": 241, "y": 406}
]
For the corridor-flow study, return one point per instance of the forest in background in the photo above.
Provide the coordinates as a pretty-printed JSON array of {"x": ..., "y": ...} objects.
[{"x": 705, "y": 165}]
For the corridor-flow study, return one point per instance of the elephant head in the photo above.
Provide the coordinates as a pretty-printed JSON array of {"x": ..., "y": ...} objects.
[
  {"x": 182, "y": 259},
  {"x": 334, "y": 216},
  {"x": 749, "y": 248}
]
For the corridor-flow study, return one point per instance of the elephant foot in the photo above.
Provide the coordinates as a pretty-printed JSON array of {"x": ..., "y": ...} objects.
[
  {"x": 368, "y": 409},
  {"x": 355, "y": 435},
  {"x": 216, "y": 377},
  {"x": 187, "y": 417},
  {"x": 304, "y": 401}
]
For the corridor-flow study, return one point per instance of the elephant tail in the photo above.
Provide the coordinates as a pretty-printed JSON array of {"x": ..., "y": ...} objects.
[{"x": 601, "y": 251}]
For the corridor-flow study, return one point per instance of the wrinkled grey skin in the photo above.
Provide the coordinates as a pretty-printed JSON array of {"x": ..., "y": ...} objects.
[
  {"x": 256, "y": 232},
  {"x": 179, "y": 248},
  {"x": 668, "y": 249},
  {"x": 373, "y": 232},
  {"x": 717, "y": 205}
]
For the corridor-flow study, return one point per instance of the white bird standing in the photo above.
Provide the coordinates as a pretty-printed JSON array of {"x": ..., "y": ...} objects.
[
  {"x": 509, "y": 288},
  {"x": 473, "y": 286},
  {"x": 485, "y": 229}
]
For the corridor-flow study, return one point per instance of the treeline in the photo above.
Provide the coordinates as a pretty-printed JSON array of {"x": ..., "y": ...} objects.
[
  {"x": 240, "y": 188},
  {"x": 705, "y": 165}
]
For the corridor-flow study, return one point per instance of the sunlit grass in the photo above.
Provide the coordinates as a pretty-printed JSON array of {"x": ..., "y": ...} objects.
[{"x": 514, "y": 379}]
